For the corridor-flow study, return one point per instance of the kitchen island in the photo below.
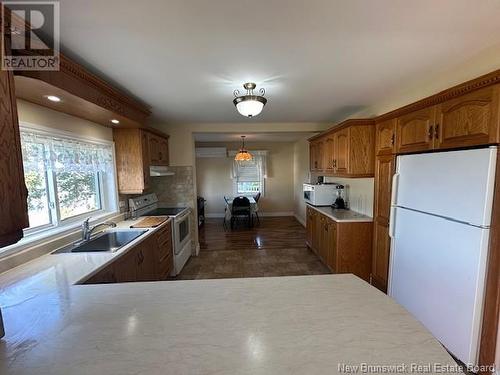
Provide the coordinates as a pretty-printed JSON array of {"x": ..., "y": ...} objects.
[{"x": 275, "y": 325}]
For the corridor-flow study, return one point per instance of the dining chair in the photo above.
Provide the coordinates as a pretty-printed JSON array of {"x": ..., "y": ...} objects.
[
  {"x": 241, "y": 209},
  {"x": 256, "y": 208}
]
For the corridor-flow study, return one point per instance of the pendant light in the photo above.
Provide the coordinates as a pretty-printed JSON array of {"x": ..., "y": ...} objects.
[
  {"x": 249, "y": 105},
  {"x": 243, "y": 154}
]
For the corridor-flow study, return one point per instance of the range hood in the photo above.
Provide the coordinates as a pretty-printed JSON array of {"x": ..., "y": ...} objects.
[{"x": 159, "y": 170}]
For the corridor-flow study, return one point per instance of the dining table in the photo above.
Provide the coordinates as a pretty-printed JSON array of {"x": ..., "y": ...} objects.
[{"x": 229, "y": 205}]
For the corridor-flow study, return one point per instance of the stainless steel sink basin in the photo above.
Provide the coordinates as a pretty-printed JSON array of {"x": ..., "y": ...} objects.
[{"x": 108, "y": 241}]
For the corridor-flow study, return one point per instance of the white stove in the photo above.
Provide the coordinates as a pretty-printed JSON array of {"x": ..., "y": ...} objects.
[{"x": 148, "y": 205}]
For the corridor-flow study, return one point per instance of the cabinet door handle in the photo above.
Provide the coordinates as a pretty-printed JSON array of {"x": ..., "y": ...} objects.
[
  {"x": 436, "y": 131},
  {"x": 430, "y": 131},
  {"x": 160, "y": 157},
  {"x": 393, "y": 138}
]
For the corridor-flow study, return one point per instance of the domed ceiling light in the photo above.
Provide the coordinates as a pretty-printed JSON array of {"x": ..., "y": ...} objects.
[
  {"x": 243, "y": 154},
  {"x": 249, "y": 105}
]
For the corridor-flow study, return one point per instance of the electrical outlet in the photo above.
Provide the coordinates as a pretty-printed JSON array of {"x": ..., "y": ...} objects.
[{"x": 121, "y": 204}]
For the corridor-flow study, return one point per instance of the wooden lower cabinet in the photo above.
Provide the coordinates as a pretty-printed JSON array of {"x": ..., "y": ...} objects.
[
  {"x": 149, "y": 260},
  {"x": 345, "y": 247},
  {"x": 381, "y": 253}
]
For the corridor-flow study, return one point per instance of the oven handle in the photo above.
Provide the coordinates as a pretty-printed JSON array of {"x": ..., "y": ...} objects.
[{"x": 183, "y": 215}]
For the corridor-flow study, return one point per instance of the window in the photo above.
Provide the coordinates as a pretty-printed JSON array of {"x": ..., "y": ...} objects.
[
  {"x": 249, "y": 176},
  {"x": 67, "y": 178}
]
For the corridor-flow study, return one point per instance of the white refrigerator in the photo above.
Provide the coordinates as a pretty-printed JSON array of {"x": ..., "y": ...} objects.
[{"x": 439, "y": 228}]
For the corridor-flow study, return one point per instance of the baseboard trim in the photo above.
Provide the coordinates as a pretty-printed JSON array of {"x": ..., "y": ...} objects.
[
  {"x": 300, "y": 220},
  {"x": 261, "y": 214}
]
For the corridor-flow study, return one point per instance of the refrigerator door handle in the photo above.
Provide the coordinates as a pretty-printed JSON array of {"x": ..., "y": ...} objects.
[
  {"x": 392, "y": 218},
  {"x": 392, "y": 214},
  {"x": 394, "y": 188}
]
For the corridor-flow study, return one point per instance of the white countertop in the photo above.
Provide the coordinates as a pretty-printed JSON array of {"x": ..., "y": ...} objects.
[
  {"x": 276, "y": 325},
  {"x": 52, "y": 270},
  {"x": 342, "y": 216}
]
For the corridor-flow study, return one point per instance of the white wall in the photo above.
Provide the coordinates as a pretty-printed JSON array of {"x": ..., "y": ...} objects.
[
  {"x": 213, "y": 178},
  {"x": 181, "y": 142},
  {"x": 301, "y": 175},
  {"x": 412, "y": 90}
]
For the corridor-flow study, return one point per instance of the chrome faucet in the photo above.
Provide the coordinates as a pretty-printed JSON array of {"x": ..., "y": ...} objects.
[{"x": 87, "y": 230}]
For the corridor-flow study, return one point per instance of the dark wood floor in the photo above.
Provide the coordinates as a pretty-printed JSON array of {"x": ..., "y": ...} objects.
[{"x": 274, "y": 248}]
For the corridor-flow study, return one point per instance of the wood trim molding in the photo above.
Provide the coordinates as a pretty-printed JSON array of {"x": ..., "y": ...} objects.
[
  {"x": 115, "y": 99},
  {"x": 78, "y": 81},
  {"x": 344, "y": 124},
  {"x": 491, "y": 313}
]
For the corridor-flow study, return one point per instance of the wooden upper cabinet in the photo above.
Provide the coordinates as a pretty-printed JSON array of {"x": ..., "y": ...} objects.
[
  {"x": 163, "y": 151},
  {"x": 385, "y": 137},
  {"x": 329, "y": 145},
  {"x": 468, "y": 120},
  {"x": 312, "y": 156},
  {"x": 132, "y": 160},
  {"x": 345, "y": 152},
  {"x": 341, "y": 151},
  {"x": 317, "y": 155},
  {"x": 361, "y": 162},
  {"x": 136, "y": 151},
  {"x": 320, "y": 154},
  {"x": 13, "y": 192},
  {"x": 415, "y": 131},
  {"x": 158, "y": 150},
  {"x": 154, "y": 149}
]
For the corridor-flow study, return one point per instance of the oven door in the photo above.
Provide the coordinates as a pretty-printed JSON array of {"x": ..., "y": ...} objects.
[{"x": 182, "y": 231}]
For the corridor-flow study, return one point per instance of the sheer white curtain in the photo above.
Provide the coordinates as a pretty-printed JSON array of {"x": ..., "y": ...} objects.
[
  {"x": 252, "y": 171},
  {"x": 43, "y": 151},
  {"x": 259, "y": 158}
]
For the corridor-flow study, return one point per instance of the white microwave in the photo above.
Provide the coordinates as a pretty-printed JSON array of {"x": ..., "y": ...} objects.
[{"x": 319, "y": 195}]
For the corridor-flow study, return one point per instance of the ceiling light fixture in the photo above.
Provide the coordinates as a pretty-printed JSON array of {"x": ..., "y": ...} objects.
[
  {"x": 115, "y": 121},
  {"x": 243, "y": 154},
  {"x": 249, "y": 105},
  {"x": 53, "y": 98}
]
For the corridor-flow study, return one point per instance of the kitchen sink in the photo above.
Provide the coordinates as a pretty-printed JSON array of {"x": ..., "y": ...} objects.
[{"x": 108, "y": 241}]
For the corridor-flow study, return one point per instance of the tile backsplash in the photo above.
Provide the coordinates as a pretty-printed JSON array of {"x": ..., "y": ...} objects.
[
  {"x": 359, "y": 193},
  {"x": 178, "y": 191}
]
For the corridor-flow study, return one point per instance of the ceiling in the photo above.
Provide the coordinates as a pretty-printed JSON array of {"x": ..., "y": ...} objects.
[
  {"x": 319, "y": 60},
  {"x": 252, "y": 137}
]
